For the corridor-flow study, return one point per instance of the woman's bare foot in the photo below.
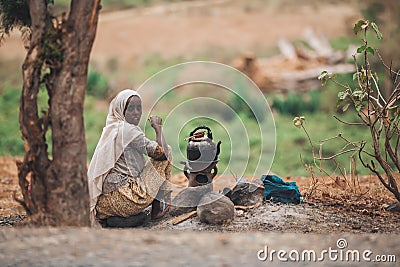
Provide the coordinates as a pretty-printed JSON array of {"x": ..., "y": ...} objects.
[{"x": 159, "y": 209}]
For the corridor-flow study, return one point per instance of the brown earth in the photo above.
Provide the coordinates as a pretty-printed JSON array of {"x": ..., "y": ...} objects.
[
  {"x": 333, "y": 209},
  {"x": 96, "y": 247},
  {"x": 335, "y": 206}
]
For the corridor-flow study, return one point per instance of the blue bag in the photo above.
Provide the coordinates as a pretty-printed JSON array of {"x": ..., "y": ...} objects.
[{"x": 277, "y": 190}]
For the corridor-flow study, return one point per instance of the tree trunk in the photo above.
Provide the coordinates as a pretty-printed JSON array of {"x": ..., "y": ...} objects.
[{"x": 59, "y": 192}]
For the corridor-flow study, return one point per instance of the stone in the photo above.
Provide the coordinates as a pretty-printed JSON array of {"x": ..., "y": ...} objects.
[
  {"x": 247, "y": 193},
  {"x": 239, "y": 213},
  {"x": 188, "y": 199},
  {"x": 215, "y": 208},
  {"x": 395, "y": 207}
]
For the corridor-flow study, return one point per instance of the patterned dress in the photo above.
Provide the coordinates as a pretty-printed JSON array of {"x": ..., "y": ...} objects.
[{"x": 133, "y": 184}]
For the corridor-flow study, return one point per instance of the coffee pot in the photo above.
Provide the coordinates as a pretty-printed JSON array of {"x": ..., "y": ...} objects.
[{"x": 202, "y": 154}]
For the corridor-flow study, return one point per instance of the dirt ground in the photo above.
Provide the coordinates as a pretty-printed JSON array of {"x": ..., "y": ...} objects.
[
  {"x": 332, "y": 214},
  {"x": 332, "y": 208},
  {"x": 88, "y": 247}
]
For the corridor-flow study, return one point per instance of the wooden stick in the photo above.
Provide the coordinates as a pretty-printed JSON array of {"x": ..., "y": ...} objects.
[
  {"x": 276, "y": 209},
  {"x": 184, "y": 217}
]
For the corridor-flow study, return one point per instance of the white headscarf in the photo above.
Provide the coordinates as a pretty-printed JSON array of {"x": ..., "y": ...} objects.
[{"x": 116, "y": 135}]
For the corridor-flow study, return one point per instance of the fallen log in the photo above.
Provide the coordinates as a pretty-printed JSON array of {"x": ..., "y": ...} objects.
[{"x": 297, "y": 67}]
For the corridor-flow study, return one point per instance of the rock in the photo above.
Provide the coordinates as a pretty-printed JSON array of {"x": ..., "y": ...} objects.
[
  {"x": 247, "y": 194},
  {"x": 395, "y": 207},
  {"x": 226, "y": 192},
  {"x": 239, "y": 213},
  {"x": 188, "y": 199},
  {"x": 215, "y": 208}
]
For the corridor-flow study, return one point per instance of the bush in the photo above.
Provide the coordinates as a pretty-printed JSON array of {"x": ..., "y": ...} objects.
[
  {"x": 295, "y": 104},
  {"x": 10, "y": 137},
  {"x": 246, "y": 103},
  {"x": 97, "y": 84}
]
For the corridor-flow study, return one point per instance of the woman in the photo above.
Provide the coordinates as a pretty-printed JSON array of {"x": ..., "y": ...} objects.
[{"x": 121, "y": 183}]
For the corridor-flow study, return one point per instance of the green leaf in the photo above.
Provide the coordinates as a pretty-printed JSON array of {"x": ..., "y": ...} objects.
[
  {"x": 365, "y": 25},
  {"x": 342, "y": 95},
  {"x": 345, "y": 107},
  {"x": 358, "y": 93},
  {"x": 370, "y": 50},
  {"x": 361, "y": 49},
  {"x": 358, "y": 26},
  {"x": 338, "y": 103},
  {"x": 379, "y": 35},
  {"x": 355, "y": 75},
  {"x": 322, "y": 75}
]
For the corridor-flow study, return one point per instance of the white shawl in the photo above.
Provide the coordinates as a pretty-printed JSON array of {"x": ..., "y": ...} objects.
[{"x": 116, "y": 135}]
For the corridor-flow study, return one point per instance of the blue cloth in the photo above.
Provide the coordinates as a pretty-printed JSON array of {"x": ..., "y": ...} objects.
[{"x": 276, "y": 189}]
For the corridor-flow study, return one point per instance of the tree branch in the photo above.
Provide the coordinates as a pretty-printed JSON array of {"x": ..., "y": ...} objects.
[
  {"x": 389, "y": 149},
  {"x": 36, "y": 158},
  {"x": 338, "y": 154},
  {"x": 349, "y": 123},
  {"x": 386, "y": 66}
]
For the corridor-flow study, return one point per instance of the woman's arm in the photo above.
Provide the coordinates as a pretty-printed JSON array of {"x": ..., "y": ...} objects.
[{"x": 156, "y": 123}]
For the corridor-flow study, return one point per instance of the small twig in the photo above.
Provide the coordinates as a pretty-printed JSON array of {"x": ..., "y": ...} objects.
[
  {"x": 389, "y": 149},
  {"x": 378, "y": 90},
  {"x": 276, "y": 209},
  {"x": 356, "y": 66},
  {"x": 314, "y": 182},
  {"x": 350, "y": 142},
  {"x": 393, "y": 98},
  {"x": 341, "y": 85},
  {"x": 386, "y": 66},
  {"x": 349, "y": 123},
  {"x": 184, "y": 217},
  {"x": 311, "y": 143},
  {"x": 376, "y": 100},
  {"x": 338, "y": 154},
  {"x": 396, "y": 151}
]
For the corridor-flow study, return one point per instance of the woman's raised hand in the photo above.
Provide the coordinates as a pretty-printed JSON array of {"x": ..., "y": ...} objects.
[{"x": 155, "y": 121}]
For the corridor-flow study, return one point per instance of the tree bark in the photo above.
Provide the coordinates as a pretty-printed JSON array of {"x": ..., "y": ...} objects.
[
  {"x": 36, "y": 160},
  {"x": 58, "y": 192},
  {"x": 69, "y": 195}
]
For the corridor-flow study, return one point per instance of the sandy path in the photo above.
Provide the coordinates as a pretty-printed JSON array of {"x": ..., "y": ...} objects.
[{"x": 85, "y": 247}]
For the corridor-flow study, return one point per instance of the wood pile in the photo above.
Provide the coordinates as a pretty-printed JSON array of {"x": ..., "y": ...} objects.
[{"x": 297, "y": 67}]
